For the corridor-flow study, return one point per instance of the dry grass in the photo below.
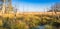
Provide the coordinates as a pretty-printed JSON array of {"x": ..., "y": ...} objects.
[{"x": 27, "y": 14}]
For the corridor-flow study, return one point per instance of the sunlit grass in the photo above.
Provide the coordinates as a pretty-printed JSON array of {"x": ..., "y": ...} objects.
[{"x": 22, "y": 21}]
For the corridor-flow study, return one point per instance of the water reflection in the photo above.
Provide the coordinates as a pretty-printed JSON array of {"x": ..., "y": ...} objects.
[{"x": 40, "y": 27}]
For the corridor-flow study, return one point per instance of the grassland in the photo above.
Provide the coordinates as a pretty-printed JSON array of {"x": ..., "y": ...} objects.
[{"x": 29, "y": 20}]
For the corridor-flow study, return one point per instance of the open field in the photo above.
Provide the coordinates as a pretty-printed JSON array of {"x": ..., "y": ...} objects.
[
  {"x": 29, "y": 13},
  {"x": 40, "y": 13},
  {"x": 29, "y": 20}
]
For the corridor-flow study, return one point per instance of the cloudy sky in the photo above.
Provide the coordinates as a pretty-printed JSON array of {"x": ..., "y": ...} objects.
[{"x": 33, "y": 5}]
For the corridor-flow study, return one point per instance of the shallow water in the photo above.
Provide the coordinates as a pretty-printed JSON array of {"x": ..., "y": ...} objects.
[{"x": 40, "y": 27}]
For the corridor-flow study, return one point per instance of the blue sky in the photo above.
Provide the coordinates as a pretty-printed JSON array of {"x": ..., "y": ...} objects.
[{"x": 33, "y": 5}]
